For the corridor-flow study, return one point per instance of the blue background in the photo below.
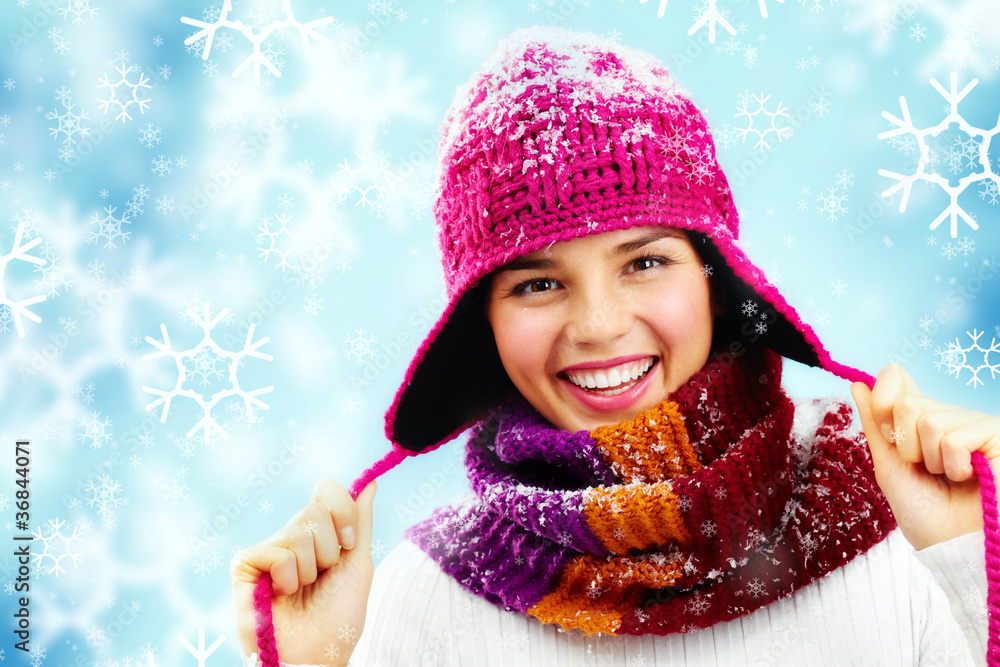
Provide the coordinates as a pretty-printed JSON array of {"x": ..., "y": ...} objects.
[{"x": 341, "y": 148}]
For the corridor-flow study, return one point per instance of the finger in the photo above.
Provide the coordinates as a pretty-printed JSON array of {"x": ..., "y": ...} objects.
[
  {"x": 342, "y": 508},
  {"x": 906, "y": 411},
  {"x": 892, "y": 382},
  {"x": 297, "y": 537},
  {"x": 366, "y": 500},
  {"x": 252, "y": 563},
  {"x": 957, "y": 446},
  {"x": 884, "y": 457},
  {"x": 317, "y": 520},
  {"x": 931, "y": 427}
]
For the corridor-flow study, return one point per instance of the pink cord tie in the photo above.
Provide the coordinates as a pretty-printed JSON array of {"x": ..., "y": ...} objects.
[
  {"x": 988, "y": 491},
  {"x": 265, "y": 623}
]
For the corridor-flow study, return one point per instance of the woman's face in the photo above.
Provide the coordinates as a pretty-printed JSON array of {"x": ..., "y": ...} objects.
[{"x": 587, "y": 310}]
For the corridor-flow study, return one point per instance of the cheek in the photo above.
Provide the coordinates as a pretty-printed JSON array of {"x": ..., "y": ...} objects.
[
  {"x": 523, "y": 341},
  {"x": 683, "y": 314}
]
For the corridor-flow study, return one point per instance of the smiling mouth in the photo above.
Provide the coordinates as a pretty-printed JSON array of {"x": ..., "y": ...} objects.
[{"x": 614, "y": 391}]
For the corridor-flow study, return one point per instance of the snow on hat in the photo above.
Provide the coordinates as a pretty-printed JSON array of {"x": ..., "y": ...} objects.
[{"x": 561, "y": 134}]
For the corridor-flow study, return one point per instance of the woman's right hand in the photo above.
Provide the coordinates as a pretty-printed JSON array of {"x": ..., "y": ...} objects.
[{"x": 319, "y": 590}]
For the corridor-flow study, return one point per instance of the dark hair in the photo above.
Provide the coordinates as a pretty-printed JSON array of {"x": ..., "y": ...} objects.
[{"x": 729, "y": 293}]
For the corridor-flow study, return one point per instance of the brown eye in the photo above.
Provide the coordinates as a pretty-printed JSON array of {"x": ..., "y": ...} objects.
[
  {"x": 519, "y": 289},
  {"x": 644, "y": 262}
]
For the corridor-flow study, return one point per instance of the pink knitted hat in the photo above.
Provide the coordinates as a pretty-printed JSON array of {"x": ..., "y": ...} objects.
[{"x": 562, "y": 134}]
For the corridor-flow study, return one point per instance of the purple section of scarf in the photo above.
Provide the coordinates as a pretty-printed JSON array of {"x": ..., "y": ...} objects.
[
  {"x": 475, "y": 547},
  {"x": 509, "y": 514}
]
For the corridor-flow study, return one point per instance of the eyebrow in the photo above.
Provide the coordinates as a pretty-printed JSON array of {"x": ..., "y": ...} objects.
[{"x": 525, "y": 264}]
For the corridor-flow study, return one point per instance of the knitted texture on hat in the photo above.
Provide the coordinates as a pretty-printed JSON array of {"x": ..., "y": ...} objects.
[
  {"x": 562, "y": 134},
  {"x": 701, "y": 509}
]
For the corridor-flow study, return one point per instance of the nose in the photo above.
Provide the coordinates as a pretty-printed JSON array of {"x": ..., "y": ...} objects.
[{"x": 597, "y": 317}]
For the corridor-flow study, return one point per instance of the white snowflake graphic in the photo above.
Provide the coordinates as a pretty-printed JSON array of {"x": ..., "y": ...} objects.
[
  {"x": 698, "y": 605},
  {"x": 361, "y": 347},
  {"x": 56, "y": 547},
  {"x": 260, "y": 28},
  {"x": 347, "y": 633},
  {"x": 364, "y": 182},
  {"x": 106, "y": 496},
  {"x": 150, "y": 135},
  {"x": 979, "y": 140},
  {"x": 276, "y": 238},
  {"x": 109, "y": 228},
  {"x": 956, "y": 358},
  {"x": 752, "y": 106},
  {"x": 756, "y": 588},
  {"x": 839, "y": 288},
  {"x": 815, "y": 5},
  {"x": 96, "y": 433},
  {"x": 832, "y": 203},
  {"x": 707, "y": 13},
  {"x": 162, "y": 165},
  {"x": 69, "y": 125},
  {"x": 120, "y": 101},
  {"x": 78, "y": 8},
  {"x": 11, "y": 310},
  {"x": 200, "y": 360}
]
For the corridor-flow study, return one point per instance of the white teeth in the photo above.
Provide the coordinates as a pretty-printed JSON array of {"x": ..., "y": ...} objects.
[{"x": 612, "y": 378}]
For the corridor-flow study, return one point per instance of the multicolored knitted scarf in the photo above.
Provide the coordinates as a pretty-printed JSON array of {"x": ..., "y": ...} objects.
[{"x": 701, "y": 509}]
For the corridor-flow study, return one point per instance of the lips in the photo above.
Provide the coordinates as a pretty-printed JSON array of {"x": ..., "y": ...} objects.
[{"x": 627, "y": 397}]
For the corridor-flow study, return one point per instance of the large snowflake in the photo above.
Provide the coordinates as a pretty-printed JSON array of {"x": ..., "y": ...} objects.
[
  {"x": 256, "y": 33},
  {"x": 366, "y": 183},
  {"x": 283, "y": 242},
  {"x": 11, "y": 310},
  {"x": 200, "y": 361},
  {"x": 752, "y": 106},
  {"x": 957, "y": 358},
  {"x": 707, "y": 14},
  {"x": 121, "y": 100},
  {"x": 978, "y": 155},
  {"x": 78, "y": 8},
  {"x": 56, "y": 547}
]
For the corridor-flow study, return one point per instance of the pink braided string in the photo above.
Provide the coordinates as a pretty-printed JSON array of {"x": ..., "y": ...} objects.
[
  {"x": 988, "y": 491},
  {"x": 265, "y": 624}
]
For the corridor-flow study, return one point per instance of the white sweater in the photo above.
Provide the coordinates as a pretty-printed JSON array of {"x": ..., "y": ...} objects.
[{"x": 890, "y": 606}]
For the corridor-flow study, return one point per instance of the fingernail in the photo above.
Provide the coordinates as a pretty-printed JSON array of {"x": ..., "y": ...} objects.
[
  {"x": 347, "y": 537},
  {"x": 886, "y": 431}
]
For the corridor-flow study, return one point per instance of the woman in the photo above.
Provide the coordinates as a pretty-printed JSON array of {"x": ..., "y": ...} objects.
[{"x": 637, "y": 469}]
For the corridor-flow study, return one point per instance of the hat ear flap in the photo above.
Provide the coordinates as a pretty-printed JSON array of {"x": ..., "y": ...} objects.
[{"x": 749, "y": 320}]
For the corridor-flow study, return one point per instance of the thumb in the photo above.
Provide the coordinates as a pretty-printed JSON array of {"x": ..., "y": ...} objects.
[
  {"x": 884, "y": 456},
  {"x": 366, "y": 501}
]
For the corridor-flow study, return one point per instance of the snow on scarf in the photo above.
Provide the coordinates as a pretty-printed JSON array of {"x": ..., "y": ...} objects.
[{"x": 701, "y": 509}]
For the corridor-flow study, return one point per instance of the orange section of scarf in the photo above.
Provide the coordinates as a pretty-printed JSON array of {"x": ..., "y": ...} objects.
[
  {"x": 594, "y": 593},
  {"x": 651, "y": 449}
]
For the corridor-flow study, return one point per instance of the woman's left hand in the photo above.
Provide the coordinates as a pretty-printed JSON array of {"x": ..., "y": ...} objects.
[{"x": 922, "y": 454}]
